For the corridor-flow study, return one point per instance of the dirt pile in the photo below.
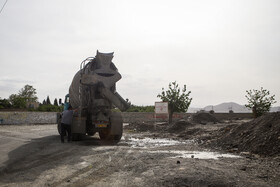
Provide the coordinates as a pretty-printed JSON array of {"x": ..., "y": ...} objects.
[
  {"x": 140, "y": 127},
  {"x": 204, "y": 118},
  {"x": 178, "y": 126},
  {"x": 175, "y": 127},
  {"x": 260, "y": 136}
]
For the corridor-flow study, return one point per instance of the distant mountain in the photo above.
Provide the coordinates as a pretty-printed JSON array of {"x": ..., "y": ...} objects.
[
  {"x": 225, "y": 107},
  {"x": 193, "y": 110},
  {"x": 275, "y": 109}
]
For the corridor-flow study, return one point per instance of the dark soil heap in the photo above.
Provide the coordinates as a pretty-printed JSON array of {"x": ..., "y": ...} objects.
[
  {"x": 175, "y": 127},
  {"x": 260, "y": 136},
  {"x": 204, "y": 118},
  {"x": 140, "y": 127},
  {"x": 178, "y": 126}
]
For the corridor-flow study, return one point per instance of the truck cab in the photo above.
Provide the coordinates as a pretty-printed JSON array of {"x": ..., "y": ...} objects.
[{"x": 66, "y": 102}]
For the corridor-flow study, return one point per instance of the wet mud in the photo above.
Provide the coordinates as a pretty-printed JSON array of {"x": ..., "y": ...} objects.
[{"x": 159, "y": 155}]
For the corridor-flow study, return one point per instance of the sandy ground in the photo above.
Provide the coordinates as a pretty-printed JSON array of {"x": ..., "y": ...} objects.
[{"x": 33, "y": 156}]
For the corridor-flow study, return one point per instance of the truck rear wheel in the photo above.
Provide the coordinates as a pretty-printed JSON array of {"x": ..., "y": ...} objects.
[
  {"x": 114, "y": 133},
  {"x": 76, "y": 137}
]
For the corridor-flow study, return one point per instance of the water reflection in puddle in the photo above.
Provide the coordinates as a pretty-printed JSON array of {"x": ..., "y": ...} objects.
[
  {"x": 150, "y": 142},
  {"x": 196, "y": 154},
  {"x": 154, "y": 143}
]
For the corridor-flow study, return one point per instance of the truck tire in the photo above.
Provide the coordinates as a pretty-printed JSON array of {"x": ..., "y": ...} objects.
[
  {"x": 114, "y": 133},
  {"x": 76, "y": 137}
]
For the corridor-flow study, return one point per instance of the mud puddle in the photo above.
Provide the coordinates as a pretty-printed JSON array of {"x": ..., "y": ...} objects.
[
  {"x": 151, "y": 143},
  {"x": 146, "y": 143},
  {"x": 196, "y": 154}
]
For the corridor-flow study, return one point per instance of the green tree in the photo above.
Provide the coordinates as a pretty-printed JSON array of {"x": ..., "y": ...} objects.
[
  {"x": 48, "y": 101},
  {"x": 28, "y": 93},
  {"x": 4, "y": 103},
  {"x": 25, "y": 95},
  {"x": 50, "y": 108},
  {"x": 135, "y": 108},
  {"x": 259, "y": 101},
  {"x": 17, "y": 101},
  {"x": 177, "y": 101},
  {"x": 55, "y": 102}
]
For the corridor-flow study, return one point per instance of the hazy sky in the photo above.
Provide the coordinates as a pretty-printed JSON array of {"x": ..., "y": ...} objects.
[{"x": 218, "y": 48}]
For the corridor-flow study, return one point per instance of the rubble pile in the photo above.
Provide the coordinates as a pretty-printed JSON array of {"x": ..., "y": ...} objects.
[
  {"x": 204, "y": 118},
  {"x": 175, "y": 127},
  {"x": 140, "y": 127},
  {"x": 260, "y": 136},
  {"x": 178, "y": 127}
]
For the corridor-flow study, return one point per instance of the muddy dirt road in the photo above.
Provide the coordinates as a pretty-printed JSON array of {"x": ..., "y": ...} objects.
[{"x": 34, "y": 156}]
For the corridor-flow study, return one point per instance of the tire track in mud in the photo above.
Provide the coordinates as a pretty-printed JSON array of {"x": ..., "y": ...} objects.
[
  {"x": 112, "y": 166},
  {"x": 91, "y": 162},
  {"x": 37, "y": 156},
  {"x": 30, "y": 165},
  {"x": 103, "y": 163},
  {"x": 27, "y": 164}
]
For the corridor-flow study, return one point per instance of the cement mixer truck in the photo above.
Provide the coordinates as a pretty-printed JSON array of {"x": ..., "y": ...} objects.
[{"x": 93, "y": 95}]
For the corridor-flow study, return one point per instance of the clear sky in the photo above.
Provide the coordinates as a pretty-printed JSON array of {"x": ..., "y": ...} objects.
[{"x": 218, "y": 48}]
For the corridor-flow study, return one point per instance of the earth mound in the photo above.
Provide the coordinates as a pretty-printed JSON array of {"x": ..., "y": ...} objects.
[
  {"x": 260, "y": 136},
  {"x": 140, "y": 127},
  {"x": 175, "y": 127},
  {"x": 178, "y": 126},
  {"x": 204, "y": 118}
]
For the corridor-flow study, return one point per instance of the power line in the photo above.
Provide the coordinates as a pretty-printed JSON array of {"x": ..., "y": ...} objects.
[{"x": 3, "y": 6}]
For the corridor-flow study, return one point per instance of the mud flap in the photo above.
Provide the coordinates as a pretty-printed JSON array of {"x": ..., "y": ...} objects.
[
  {"x": 116, "y": 128},
  {"x": 116, "y": 124}
]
